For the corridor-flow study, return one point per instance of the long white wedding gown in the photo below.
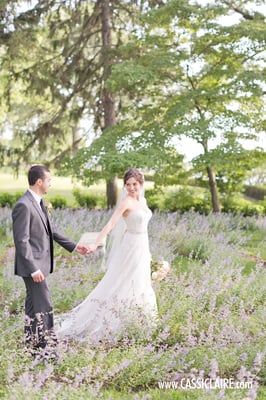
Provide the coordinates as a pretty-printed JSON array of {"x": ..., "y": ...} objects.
[{"x": 124, "y": 298}]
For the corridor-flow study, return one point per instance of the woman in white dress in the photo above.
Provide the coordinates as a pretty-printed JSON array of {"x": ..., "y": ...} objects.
[{"x": 124, "y": 298}]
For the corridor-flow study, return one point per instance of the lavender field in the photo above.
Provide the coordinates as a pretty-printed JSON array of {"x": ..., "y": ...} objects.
[{"x": 210, "y": 342}]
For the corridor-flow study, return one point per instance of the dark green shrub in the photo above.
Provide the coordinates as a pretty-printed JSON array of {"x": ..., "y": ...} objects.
[
  {"x": 237, "y": 208},
  {"x": 18, "y": 195},
  {"x": 7, "y": 200},
  {"x": 5, "y": 225},
  {"x": 154, "y": 199},
  {"x": 230, "y": 206},
  {"x": 101, "y": 202},
  {"x": 181, "y": 200},
  {"x": 263, "y": 206},
  {"x": 58, "y": 202},
  {"x": 85, "y": 200},
  {"x": 184, "y": 200},
  {"x": 250, "y": 210},
  {"x": 233, "y": 205},
  {"x": 202, "y": 206}
]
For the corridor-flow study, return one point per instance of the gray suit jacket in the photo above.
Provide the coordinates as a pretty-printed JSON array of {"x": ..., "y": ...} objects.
[{"x": 33, "y": 237}]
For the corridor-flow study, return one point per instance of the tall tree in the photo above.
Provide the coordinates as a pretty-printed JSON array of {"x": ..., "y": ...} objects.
[
  {"x": 108, "y": 98},
  {"x": 60, "y": 84},
  {"x": 186, "y": 73},
  {"x": 202, "y": 79}
]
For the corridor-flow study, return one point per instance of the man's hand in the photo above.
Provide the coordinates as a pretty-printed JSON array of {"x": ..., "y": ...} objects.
[
  {"x": 38, "y": 277},
  {"x": 81, "y": 249}
]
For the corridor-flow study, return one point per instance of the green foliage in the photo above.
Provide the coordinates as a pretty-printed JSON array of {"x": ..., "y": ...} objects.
[
  {"x": 130, "y": 74},
  {"x": 199, "y": 69},
  {"x": 58, "y": 202},
  {"x": 17, "y": 195},
  {"x": 263, "y": 205},
  {"x": 87, "y": 200},
  {"x": 154, "y": 198},
  {"x": 231, "y": 168},
  {"x": 185, "y": 199},
  {"x": 5, "y": 225},
  {"x": 179, "y": 72},
  {"x": 251, "y": 210},
  {"x": 8, "y": 200},
  {"x": 109, "y": 156},
  {"x": 239, "y": 206}
]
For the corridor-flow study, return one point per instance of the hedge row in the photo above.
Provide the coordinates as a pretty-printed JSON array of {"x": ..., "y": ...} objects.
[
  {"x": 186, "y": 200},
  {"x": 181, "y": 200},
  {"x": 255, "y": 192},
  {"x": 83, "y": 200}
]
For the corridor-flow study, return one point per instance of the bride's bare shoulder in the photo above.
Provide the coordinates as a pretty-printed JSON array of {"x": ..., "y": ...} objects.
[
  {"x": 127, "y": 201},
  {"x": 124, "y": 204},
  {"x": 128, "y": 205}
]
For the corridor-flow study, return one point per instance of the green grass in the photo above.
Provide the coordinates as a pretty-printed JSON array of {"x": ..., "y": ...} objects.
[
  {"x": 256, "y": 245},
  {"x": 61, "y": 186}
]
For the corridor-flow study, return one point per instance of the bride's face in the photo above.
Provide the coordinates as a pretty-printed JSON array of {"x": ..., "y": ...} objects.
[{"x": 133, "y": 187}]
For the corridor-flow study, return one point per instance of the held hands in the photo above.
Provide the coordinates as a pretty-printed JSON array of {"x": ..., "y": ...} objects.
[{"x": 82, "y": 249}]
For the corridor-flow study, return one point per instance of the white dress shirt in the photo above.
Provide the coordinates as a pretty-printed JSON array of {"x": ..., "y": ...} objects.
[{"x": 37, "y": 198}]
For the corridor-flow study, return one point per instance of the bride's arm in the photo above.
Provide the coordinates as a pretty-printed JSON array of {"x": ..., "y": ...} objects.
[{"x": 119, "y": 211}]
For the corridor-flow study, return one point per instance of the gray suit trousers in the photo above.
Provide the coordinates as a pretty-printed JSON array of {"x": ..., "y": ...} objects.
[{"x": 39, "y": 324}]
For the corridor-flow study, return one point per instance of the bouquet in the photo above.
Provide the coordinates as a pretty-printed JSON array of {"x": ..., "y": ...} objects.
[{"x": 159, "y": 269}]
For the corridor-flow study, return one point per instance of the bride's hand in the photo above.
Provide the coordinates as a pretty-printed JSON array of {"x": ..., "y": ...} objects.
[{"x": 92, "y": 248}]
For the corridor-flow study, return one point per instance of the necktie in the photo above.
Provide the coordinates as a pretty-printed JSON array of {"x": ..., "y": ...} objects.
[
  {"x": 44, "y": 211},
  {"x": 45, "y": 214},
  {"x": 49, "y": 230},
  {"x": 43, "y": 208}
]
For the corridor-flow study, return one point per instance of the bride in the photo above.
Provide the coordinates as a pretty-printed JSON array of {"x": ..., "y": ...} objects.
[{"x": 124, "y": 298}]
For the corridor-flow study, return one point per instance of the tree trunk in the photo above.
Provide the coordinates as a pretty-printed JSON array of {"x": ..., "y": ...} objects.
[
  {"x": 213, "y": 188},
  {"x": 108, "y": 99},
  {"x": 111, "y": 191},
  {"x": 75, "y": 139}
]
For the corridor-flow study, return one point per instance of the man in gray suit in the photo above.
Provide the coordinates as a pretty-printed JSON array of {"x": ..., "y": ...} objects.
[{"x": 33, "y": 237}]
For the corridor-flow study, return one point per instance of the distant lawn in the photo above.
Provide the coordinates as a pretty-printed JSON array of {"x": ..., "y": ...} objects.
[
  {"x": 64, "y": 186},
  {"x": 61, "y": 186}
]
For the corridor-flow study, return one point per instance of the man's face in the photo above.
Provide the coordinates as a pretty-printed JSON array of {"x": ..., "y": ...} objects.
[{"x": 45, "y": 183}]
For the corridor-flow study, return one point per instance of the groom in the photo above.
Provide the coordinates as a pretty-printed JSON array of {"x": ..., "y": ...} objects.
[{"x": 34, "y": 258}]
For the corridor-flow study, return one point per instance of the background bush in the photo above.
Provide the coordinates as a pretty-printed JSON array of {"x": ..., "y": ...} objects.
[
  {"x": 154, "y": 198},
  {"x": 58, "y": 202},
  {"x": 8, "y": 200},
  {"x": 242, "y": 206},
  {"x": 186, "y": 199},
  {"x": 88, "y": 200}
]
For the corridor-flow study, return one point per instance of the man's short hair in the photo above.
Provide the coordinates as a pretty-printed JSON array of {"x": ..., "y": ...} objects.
[{"x": 36, "y": 172}]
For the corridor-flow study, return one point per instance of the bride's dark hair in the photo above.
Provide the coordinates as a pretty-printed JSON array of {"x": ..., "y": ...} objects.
[{"x": 134, "y": 173}]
